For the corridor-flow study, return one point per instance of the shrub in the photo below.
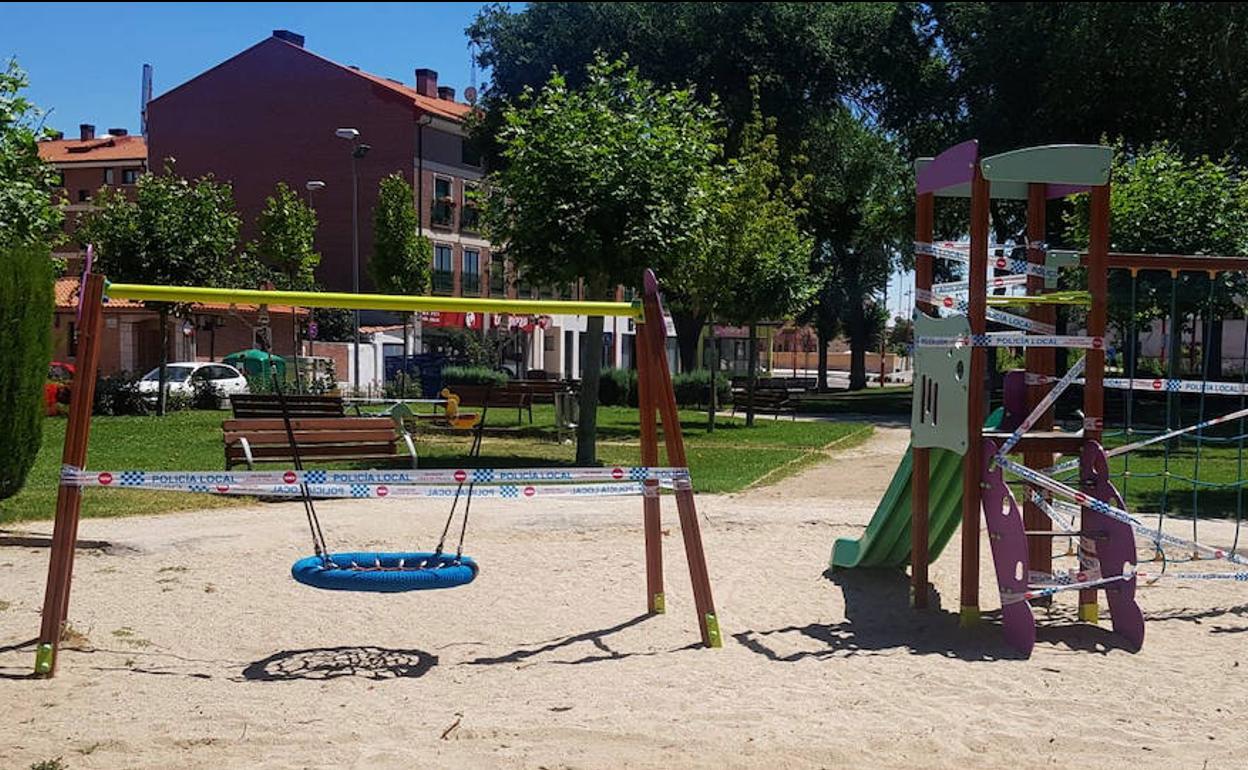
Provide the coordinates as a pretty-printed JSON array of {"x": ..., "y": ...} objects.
[
  {"x": 404, "y": 386},
  {"x": 25, "y": 350},
  {"x": 618, "y": 387},
  {"x": 472, "y": 375},
  {"x": 694, "y": 388},
  {"x": 206, "y": 395},
  {"x": 118, "y": 395}
]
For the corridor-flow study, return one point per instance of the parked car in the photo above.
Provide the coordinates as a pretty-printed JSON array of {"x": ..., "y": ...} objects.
[
  {"x": 59, "y": 371},
  {"x": 181, "y": 378}
]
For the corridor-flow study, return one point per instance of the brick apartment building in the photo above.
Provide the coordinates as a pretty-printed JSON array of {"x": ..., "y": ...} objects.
[
  {"x": 115, "y": 160},
  {"x": 269, "y": 114}
]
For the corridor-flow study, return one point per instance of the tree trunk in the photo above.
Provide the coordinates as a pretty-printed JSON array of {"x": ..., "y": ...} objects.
[
  {"x": 751, "y": 372},
  {"x": 688, "y": 330},
  {"x": 164, "y": 362},
  {"x": 591, "y": 370},
  {"x": 857, "y": 347},
  {"x": 713, "y": 398},
  {"x": 823, "y": 360}
]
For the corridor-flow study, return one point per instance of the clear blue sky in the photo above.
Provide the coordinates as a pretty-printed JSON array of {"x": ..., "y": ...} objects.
[{"x": 85, "y": 60}]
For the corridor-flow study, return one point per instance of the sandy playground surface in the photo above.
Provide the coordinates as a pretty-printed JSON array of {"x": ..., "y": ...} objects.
[{"x": 200, "y": 651}]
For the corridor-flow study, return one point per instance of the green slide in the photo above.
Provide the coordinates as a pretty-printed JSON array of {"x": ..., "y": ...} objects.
[{"x": 886, "y": 543}]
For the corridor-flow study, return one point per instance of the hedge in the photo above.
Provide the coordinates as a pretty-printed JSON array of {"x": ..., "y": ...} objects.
[{"x": 26, "y": 307}]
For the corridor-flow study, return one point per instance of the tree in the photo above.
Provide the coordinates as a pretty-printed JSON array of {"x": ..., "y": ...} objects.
[
  {"x": 754, "y": 245},
  {"x": 859, "y": 212},
  {"x": 28, "y": 223},
  {"x": 1162, "y": 202},
  {"x": 176, "y": 232},
  {"x": 287, "y": 245},
  {"x": 402, "y": 257},
  {"x": 599, "y": 183},
  {"x": 28, "y": 214}
]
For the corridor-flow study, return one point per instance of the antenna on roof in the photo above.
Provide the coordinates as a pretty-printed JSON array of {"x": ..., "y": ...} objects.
[{"x": 145, "y": 96}]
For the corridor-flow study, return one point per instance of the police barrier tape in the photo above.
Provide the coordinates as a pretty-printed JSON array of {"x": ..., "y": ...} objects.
[
  {"x": 994, "y": 282},
  {"x": 1011, "y": 340},
  {"x": 381, "y": 491},
  {"x": 958, "y": 252},
  {"x": 1000, "y": 316},
  {"x": 1155, "y": 536},
  {"x": 1010, "y": 597},
  {"x": 135, "y": 478},
  {"x": 1157, "y": 385},
  {"x": 1041, "y": 408},
  {"x": 1072, "y": 464}
]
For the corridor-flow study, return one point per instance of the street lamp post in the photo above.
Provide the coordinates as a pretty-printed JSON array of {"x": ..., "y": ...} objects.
[{"x": 358, "y": 150}]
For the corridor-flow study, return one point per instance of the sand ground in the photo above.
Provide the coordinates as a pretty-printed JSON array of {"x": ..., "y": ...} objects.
[{"x": 201, "y": 652}]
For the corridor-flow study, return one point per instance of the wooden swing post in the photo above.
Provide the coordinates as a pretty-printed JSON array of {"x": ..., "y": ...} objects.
[
  {"x": 655, "y": 601},
  {"x": 69, "y": 498},
  {"x": 654, "y": 366}
]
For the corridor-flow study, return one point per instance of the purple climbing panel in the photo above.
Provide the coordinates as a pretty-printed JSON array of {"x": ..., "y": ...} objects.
[
  {"x": 1062, "y": 190},
  {"x": 1116, "y": 550},
  {"x": 952, "y": 167},
  {"x": 1009, "y": 553},
  {"x": 1015, "y": 400}
]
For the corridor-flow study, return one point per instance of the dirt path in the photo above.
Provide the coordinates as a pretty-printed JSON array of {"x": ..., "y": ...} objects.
[{"x": 199, "y": 651}]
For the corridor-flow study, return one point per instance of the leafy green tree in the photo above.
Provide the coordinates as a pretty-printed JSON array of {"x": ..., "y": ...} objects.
[
  {"x": 286, "y": 248},
  {"x": 28, "y": 213},
  {"x": 599, "y": 183},
  {"x": 25, "y": 347},
  {"x": 860, "y": 214},
  {"x": 29, "y": 221},
  {"x": 402, "y": 258},
  {"x": 1163, "y": 202},
  {"x": 176, "y": 232},
  {"x": 754, "y": 245}
]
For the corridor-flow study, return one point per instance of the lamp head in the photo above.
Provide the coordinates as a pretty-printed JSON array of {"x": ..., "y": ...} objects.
[{"x": 347, "y": 133}]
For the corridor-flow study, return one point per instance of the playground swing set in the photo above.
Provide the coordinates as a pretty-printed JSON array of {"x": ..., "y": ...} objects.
[
  {"x": 960, "y": 457},
  {"x": 401, "y": 571}
]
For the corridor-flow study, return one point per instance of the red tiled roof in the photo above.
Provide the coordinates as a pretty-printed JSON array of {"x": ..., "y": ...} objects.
[
  {"x": 93, "y": 150},
  {"x": 66, "y": 293},
  {"x": 445, "y": 108}
]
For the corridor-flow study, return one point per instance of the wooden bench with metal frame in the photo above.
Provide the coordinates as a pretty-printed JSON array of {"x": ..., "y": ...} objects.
[
  {"x": 773, "y": 400},
  {"x": 257, "y": 440}
]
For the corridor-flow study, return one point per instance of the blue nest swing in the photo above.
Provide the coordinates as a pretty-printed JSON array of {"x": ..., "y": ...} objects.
[{"x": 385, "y": 572}]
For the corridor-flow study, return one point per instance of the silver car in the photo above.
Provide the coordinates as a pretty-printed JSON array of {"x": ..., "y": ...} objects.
[{"x": 181, "y": 378}]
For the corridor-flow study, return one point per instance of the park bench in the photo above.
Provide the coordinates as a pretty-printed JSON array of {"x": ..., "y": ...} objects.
[
  {"x": 540, "y": 391},
  {"x": 264, "y": 439},
  {"x": 776, "y": 401},
  {"x": 495, "y": 396},
  {"x": 258, "y": 405}
]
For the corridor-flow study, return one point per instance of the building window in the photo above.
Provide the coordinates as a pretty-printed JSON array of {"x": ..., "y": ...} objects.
[
  {"x": 470, "y": 275},
  {"x": 108, "y": 176},
  {"x": 83, "y": 196},
  {"x": 443, "y": 273},
  {"x": 469, "y": 214},
  {"x": 443, "y": 206},
  {"x": 498, "y": 277},
  {"x": 129, "y": 176},
  {"x": 469, "y": 154}
]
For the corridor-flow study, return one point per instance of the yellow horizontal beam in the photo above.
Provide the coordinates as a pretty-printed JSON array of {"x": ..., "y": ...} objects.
[{"x": 394, "y": 302}]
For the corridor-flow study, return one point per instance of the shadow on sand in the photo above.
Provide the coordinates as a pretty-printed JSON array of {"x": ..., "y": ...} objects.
[
  {"x": 878, "y": 619},
  {"x": 596, "y": 638},
  {"x": 323, "y": 663}
]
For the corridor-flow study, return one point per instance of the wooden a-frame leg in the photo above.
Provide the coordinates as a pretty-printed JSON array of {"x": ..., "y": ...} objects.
[{"x": 655, "y": 601}]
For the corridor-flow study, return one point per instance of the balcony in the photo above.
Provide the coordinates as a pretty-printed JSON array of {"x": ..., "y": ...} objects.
[
  {"x": 442, "y": 214},
  {"x": 470, "y": 284},
  {"x": 443, "y": 282},
  {"x": 469, "y": 219}
]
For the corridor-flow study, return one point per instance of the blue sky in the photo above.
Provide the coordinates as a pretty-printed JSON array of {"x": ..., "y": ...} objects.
[{"x": 85, "y": 60}]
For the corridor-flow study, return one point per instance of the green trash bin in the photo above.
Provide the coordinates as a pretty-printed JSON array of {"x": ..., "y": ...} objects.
[{"x": 255, "y": 363}]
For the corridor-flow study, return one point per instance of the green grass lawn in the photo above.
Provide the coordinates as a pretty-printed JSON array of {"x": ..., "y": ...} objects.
[{"x": 730, "y": 459}]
